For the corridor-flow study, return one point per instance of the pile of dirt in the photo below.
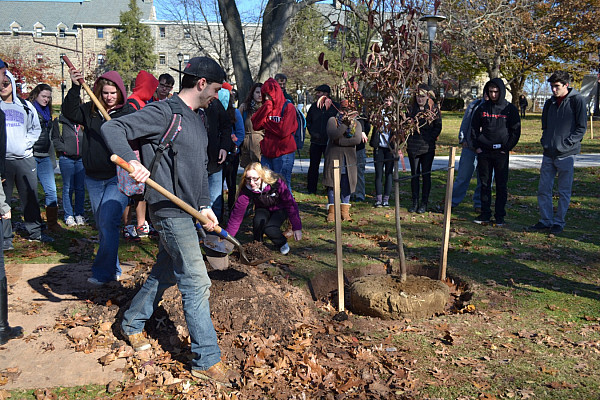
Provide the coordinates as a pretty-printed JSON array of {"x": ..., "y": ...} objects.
[{"x": 257, "y": 251}]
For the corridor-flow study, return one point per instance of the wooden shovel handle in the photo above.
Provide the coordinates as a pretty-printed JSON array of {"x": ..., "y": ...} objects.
[{"x": 88, "y": 90}]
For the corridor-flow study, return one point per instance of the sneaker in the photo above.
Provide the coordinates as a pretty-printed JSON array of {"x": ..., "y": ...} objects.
[
  {"x": 93, "y": 281},
  {"x": 143, "y": 230},
  {"x": 285, "y": 249},
  {"x": 218, "y": 373},
  {"x": 80, "y": 220},
  {"x": 7, "y": 245},
  {"x": 385, "y": 204},
  {"x": 138, "y": 341},
  {"x": 70, "y": 221},
  {"x": 481, "y": 220},
  {"x": 43, "y": 238},
  {"x": 499, "y": 222},
  {"x": 378, "y": 204},
  {"x": 130, "y": 234},
  {"x": 556, "y": 229},
  {"x": 538, "y": 227}
]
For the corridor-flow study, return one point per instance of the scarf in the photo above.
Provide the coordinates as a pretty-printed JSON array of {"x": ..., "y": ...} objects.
[
  {"x": 351, "y": 129},
  {"x": 45, "y": 112}
]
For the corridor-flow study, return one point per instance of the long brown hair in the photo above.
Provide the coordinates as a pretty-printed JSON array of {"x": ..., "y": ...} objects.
[
  {"x": 98, "y": 93},
  {"x": 248, "y": 102},
  {"x": 36, "y": 92}
]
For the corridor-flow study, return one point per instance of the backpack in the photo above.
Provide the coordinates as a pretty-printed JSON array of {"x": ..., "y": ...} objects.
[
  {"x": 25, "y": 106},
  {"x": 300, "y": 133},
  {"x": 134, "y": 103}
]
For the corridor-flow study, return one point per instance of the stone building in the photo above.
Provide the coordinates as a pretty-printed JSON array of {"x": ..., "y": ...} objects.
[{"x": 41, "y": 31}]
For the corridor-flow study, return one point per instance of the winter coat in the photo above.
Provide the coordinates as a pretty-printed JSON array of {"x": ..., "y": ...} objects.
[
  {"x": 564, "y": 125},
  {"x": 279, "y": 132},
  {"x": 250, "y": 148},
  {"x": 68, "y": 142},
  {"x": 42, "y": 146},
  {"x": 343, "y": 149},
  {"x": 423, "y": 141},
  {"x": 316, "y": 122},
  {"x": 496, "y": 126},
  {"x": 219, "y": 134},
  {"x": 272, "y": 197}
]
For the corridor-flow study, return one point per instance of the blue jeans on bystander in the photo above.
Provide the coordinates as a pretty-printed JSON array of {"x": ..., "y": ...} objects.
[
  {"x": 466, "y": 166},
  {"x": 45, "y": 173},
  {"x": 73, "y": 176},
  {"x": 551, "y": 167},
  {"x": 281, "y": 165},
  {"x": 108, "y": 204},
  {"x": 179, "y": 261}
]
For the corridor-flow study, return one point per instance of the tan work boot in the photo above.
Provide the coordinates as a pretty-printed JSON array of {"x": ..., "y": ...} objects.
[
  {"x": 330, "y": 213},
  {"x": 346, "y": 212},
  {"x": 219, "y": 373},
  {"x": 52, "y": 218},
  {"x": 138, "y": 341}
]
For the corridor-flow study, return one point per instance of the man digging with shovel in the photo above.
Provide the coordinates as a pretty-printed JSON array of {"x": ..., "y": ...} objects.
[{"x": 182, "y": 171}]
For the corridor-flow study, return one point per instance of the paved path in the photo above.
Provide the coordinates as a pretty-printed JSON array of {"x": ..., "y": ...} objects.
[{"x": 517, "y": 161}]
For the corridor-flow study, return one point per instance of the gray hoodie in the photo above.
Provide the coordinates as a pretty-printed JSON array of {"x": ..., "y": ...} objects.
[
  {"x": 564, "y": 125},
  {"x": 22, "y": 127}
]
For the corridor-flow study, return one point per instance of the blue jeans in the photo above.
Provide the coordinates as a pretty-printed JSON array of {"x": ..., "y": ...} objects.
[
  {"x": 551, "y": 167},
  {"x": 466, "y": 167},
  {"x": 344, "y": 191},
  {"x": 108, "y": 204},
  {"x": 215, "y": 186},
  {"x": 73, "y": 176},
  {"x": 281, "y": 165},
  {"x": 179, "y": 261},
  {"x": 45, "y": 173}
]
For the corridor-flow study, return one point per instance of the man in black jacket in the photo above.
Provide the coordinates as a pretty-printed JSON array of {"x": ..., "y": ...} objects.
[
  {"x": 495, "y": 131},
  {"x": 564, "y": 121},
  {"x": 316, "y": 123}
]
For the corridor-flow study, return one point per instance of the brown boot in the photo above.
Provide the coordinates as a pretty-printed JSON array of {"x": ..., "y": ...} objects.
[
  {"x": 346, "y": 212},
  {"x": 330, "y": 213},
  {"x": 52, "y": 217},
  {"x": 219, "y": 373}
]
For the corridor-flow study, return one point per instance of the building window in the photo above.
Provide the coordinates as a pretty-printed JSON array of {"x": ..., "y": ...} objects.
[
  {"x": 100, "y": 33},
  {"x": 101, "y": 59},
  {"x": 38, "y": 32},
  {"x": 162, "y": 59},
  {"x": 39, "y": 57},
  {"x": 187, "y": 35},
  {"x": 186, "y": 58},
  {"x": 161, "y": 31},
  {"x": 15, "y": 31},
  {"x": 62, "y": 33}
]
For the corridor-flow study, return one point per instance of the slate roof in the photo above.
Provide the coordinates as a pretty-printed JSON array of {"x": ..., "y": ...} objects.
[{"x": 70, "y": 13}]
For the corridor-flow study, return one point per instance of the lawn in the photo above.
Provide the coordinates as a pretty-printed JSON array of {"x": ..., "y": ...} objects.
[{"x": 534, "y": 327}]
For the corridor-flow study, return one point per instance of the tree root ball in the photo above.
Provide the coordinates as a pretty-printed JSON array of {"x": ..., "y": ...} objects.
[{"x": 384, "y": 296}]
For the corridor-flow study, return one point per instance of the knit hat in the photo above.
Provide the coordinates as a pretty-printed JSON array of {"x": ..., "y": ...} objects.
[
  {"x": 323, "y": 88},
  {"x": 204, "y": 67},
  {"x": 227, "y": 86}
]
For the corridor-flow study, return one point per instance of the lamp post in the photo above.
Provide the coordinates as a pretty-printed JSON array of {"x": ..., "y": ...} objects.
[
  {"x": 62, "y": 74},
  {"x": 180, "y": 59},
  {"x": 432, "y": 22},
  {"x": 596, "y": 105}
]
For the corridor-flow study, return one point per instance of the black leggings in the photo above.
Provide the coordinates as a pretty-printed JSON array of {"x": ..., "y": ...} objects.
[
  {"x": 269, "y": 223},
  {"x": 230, "y": 177},
  {"x": 421, "y": 166},
  {"x": 379, "y": 155}
]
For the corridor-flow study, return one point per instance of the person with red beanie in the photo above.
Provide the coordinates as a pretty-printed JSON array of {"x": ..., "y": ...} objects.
[{"x": 279, "y": 124}]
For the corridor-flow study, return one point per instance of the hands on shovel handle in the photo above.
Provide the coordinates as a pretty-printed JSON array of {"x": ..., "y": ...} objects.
[
  {"x": 184, "y": 206},
  {"x": 87, "y": 89}
]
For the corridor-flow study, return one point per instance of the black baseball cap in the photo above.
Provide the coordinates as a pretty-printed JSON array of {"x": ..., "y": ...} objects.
[{"x": 204, "y": 67}]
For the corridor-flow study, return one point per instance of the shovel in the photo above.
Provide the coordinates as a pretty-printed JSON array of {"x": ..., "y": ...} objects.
[{"x": 185, "y": 207}]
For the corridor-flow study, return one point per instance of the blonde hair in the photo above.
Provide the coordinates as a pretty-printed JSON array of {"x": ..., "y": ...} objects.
[{"x": 265, "y": 174}]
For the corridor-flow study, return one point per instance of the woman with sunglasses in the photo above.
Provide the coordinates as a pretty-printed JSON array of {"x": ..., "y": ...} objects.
[{"x": 273, "y": 204}]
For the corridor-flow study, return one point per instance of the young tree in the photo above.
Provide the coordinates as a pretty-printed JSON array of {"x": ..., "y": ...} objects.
[{"x": 132, "y": 48}]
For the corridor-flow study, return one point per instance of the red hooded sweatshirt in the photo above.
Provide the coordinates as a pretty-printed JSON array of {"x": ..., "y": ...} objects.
[
  {"x": 279, "y": 132},
  {"x": 145, "y": 86}
]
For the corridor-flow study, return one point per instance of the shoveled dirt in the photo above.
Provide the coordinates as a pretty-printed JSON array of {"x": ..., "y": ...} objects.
[
  {"x": 256, "y": 251},
  {"x": 283, "y": 343}
]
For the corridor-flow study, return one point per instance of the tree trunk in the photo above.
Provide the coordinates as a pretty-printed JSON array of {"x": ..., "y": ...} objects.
[{"x": 235, "y": 34}]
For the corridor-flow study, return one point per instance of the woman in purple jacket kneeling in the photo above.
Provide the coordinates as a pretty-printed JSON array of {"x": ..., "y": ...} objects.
[{"x": 273, "y": 204}]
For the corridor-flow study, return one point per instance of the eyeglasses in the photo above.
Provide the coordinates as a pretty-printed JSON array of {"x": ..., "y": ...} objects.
[
  {"x": 253, "y": 178},
  {"x": 5, "y": 84}
]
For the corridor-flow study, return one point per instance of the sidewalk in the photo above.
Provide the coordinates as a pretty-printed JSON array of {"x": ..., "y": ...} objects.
[{"x": 517, "y": 161}]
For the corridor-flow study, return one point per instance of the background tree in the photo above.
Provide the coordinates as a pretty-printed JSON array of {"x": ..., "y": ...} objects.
[
  {"x": 514, "y": 38},
  {"x": 28, "y": 72},
  {"x": 132, "y": 47}
]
